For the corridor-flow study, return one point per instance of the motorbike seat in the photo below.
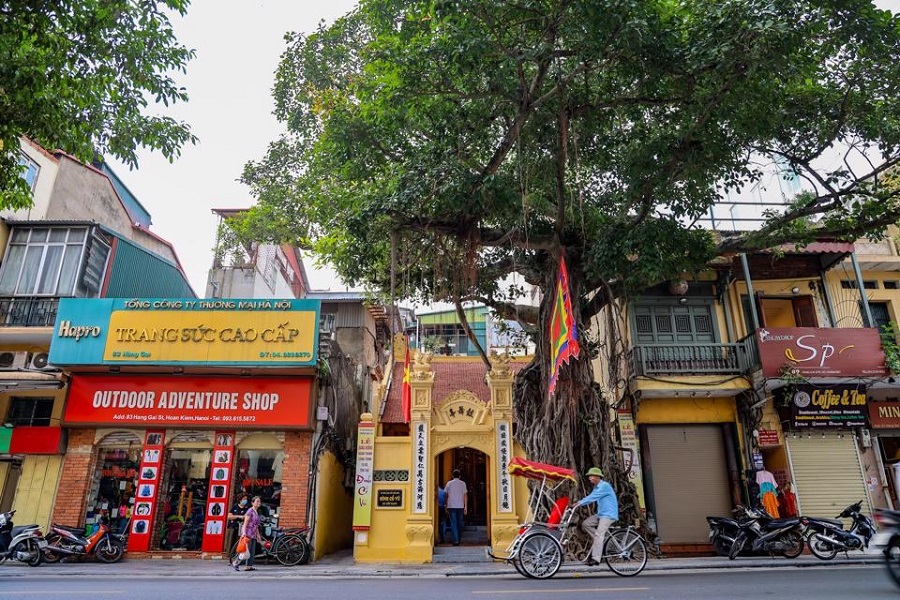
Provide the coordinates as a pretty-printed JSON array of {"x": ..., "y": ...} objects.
[
  {"x": 835, "y": 522},
  {"x": 76, "y": 530},
  {"x": 775, "y": 523},
  {"x": 20, "y": 528}
]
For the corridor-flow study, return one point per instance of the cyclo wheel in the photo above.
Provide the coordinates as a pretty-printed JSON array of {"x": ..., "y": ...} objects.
[
  {"x": 540, "y": 556},
  {"x": 290, "y": 550},
  {"x": 518, "y": 565},
  {"x": 625, "y": 552}
]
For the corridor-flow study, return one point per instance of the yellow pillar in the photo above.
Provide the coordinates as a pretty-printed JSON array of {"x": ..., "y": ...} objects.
[
  {"x": 504, "y": 522},
  {"x": 420, "y": 521}
]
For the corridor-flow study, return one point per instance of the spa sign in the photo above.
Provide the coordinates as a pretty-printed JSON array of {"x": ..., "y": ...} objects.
[
  {"x": 821, "y": 352},
  {"x": 211, "y": 332}
]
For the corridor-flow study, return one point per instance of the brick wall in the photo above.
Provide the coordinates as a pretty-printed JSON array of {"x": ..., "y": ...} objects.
[
  {"x": 295, "y": 479},
  {"x": 75, "y": 479}
]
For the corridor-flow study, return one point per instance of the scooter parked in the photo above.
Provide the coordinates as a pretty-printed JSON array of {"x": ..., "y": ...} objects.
[
  {"x": 24, "y": 544},
  {"x": 827, "y": 537},
  {"x": 761, "y": 533},
  {"x": 70, "y": 541},
  {"x": 723, "y": 531}
]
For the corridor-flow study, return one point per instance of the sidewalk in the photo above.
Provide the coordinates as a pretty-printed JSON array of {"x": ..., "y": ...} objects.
[{"x": 341, "y": 565}]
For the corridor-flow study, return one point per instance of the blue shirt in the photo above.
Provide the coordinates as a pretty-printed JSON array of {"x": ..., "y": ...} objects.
[
  {"x": 605, "y": 497},
  {"x": 442, "y": 497}
]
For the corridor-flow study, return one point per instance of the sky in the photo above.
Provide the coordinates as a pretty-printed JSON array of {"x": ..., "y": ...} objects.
[{"x": 238, "y": 45}]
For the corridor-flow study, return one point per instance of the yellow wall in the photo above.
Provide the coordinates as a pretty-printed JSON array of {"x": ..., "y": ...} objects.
[
  {"x": 387, "y": 535},
  {"x": 37, "y": 490},
  {"x": 686, "y": 410},
  {"x": 334, "y": 508}
]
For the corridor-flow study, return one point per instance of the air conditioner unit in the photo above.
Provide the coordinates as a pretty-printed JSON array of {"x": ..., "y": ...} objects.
[
  {"x": 40, "y": 362},
  {"x": 12, "y": 361}
]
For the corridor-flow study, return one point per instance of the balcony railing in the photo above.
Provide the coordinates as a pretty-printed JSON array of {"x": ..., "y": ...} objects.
[
  {"x": 28, "y": 311},
  {"x": 695, "y": 359}
]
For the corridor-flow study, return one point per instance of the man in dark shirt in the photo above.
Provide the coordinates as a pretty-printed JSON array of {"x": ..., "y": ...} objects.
[{"x": 235, "y": 516}]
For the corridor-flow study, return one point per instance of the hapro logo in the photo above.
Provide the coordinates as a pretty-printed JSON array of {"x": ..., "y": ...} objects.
[
  {"x": 765, "y": 336},
  {"x": 67, "y": 330}
]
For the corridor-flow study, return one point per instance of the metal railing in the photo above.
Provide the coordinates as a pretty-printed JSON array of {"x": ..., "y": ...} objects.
[
  {"x": 28, "y": 311},
  {"x": 695, "y": 359}
]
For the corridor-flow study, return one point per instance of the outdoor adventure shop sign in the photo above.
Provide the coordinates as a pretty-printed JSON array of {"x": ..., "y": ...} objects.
[{"x": 196, "y": 402}]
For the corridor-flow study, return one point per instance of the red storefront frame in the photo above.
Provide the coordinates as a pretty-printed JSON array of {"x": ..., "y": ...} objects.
[{"x": 190, "y": 402}]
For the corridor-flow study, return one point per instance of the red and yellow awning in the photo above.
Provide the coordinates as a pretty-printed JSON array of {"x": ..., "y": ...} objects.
[{"x": 537, "y": 470}]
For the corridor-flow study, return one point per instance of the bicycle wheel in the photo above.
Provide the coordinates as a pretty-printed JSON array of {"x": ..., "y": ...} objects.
[
  {"x": 518, "y": 565},
  {"x": 540, "y": 556},
  {"x": 290, "y": 550},
  {"x": 625, "y": 552}
]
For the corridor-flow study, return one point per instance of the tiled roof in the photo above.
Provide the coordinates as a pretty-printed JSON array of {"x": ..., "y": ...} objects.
[{"x": 448, "y": 378}]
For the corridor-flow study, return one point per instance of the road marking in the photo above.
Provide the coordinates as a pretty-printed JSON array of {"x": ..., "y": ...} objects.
[
  {"x": 67, "y": 592},
  {"x": 576, "y": 590}
]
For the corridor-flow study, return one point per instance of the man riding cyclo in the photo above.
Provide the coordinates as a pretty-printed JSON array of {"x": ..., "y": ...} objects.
[{"x": 607, "y": 513}]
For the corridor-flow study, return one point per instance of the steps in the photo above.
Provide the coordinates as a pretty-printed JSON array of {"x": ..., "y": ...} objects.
[{"x": 473, "y": 547}]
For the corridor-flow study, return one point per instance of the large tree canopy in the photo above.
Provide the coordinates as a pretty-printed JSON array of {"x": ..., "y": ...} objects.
[
  {"x": 482, "y": 138},
  {"x": 79, "y": 75}
]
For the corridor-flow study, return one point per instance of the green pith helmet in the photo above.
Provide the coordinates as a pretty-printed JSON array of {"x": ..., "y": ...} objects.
[{"x": 595, "y": 471}]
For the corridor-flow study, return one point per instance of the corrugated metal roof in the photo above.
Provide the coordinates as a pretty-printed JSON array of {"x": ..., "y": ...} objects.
[{"x": 137, "y": 273}]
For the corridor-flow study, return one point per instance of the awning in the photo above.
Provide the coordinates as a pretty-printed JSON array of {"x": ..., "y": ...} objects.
[{"x": 537, "y": 470}]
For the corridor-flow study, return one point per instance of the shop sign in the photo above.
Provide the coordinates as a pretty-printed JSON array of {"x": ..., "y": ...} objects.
[
  {"x": 821, "y": 352},
  {"x": 194, "y": 402},
  {"x": 884, "y": 415},
  {"x": 768, "y": 437},
  {"x": 504, "y": 452},
  {"x": 243, "y": 333},
  {"x": 37, "y": 440},
  {"x": 365, "y": 467},
  {"x": 833, "y": 406},
  {"x": 389, "y": 499},
  {"x": 630, "y": 441}
]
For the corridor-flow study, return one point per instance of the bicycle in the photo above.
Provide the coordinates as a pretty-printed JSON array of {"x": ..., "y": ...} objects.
[
  {"x": 288, "y": 546},
  {"x": 538, "y": 550}
]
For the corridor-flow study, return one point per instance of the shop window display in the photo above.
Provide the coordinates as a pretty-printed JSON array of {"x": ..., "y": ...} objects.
[
  {"x": 259, "y": 474},
  {"x": 112, "y": 488},
  {"x": 183, "y": 496}
]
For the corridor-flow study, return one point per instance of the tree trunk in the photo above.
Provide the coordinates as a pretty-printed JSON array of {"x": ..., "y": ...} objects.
[{"x": 574, "y": 428}]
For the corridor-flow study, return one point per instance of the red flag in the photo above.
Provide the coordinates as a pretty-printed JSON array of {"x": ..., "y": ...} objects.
[
  {"x": 405, "y": 391},
  {"x": 563, "y": 334}
]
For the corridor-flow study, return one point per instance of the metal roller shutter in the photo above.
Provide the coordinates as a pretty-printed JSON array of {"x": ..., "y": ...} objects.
[
  {"x": 827, "y": 474},
  {"x": 690, "y": 480}
]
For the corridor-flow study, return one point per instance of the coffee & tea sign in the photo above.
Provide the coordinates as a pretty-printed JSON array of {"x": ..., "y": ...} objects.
[{"x": 837, "y": 406}]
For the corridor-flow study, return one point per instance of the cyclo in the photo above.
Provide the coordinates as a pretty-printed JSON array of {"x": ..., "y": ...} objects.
[{"x": 539, "y": 549}]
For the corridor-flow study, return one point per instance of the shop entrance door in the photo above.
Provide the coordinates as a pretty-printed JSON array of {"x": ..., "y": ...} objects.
[
  {"x": 473, "y": 467},
  {"x": 184, "y": 493}
]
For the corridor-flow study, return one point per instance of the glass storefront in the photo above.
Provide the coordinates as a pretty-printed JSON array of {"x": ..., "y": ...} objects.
[
  {"x": 258, "y": 473},
  {"x": 183, "y": 498},
  {"x": 112, "y": 487}
]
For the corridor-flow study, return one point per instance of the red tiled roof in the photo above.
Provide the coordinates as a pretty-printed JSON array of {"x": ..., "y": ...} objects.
[{"x": 448, "y": 378}]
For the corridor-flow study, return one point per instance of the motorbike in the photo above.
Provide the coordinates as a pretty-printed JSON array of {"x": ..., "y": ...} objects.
[
  {"x": 889, "y": 520},
  {"x": 24, "y": 544},
  {"x": 761, "y": 533},
  {"x": 827, "y": 537},
  {"x": 65, "y": 541},
  {"x": 723, "y": 531}
]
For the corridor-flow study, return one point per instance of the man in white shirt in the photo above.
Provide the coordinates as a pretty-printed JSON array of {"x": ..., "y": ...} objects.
[{"x": 457, "y": 504}]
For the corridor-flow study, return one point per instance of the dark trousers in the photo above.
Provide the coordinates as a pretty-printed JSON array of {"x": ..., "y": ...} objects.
[
  {"x": 251, "y": 548},
  {"x": 442, "y": 523},
  {"x": 456, "y": 523}
]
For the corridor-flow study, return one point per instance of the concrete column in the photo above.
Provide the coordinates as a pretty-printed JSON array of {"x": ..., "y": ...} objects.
[{"x": 504, "y": 522}]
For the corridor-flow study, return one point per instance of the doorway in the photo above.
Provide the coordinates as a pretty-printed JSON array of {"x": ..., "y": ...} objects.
[{"x": 473, "y": 468}]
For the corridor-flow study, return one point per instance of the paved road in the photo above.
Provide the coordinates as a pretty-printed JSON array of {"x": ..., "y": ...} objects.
[{"x": 841, "y": 583}]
